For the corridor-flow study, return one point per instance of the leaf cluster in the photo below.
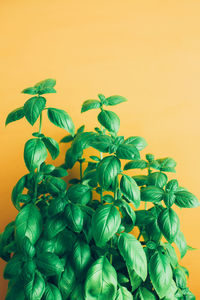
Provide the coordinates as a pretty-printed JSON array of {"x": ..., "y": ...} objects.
[{"x": 74, "y": 240}]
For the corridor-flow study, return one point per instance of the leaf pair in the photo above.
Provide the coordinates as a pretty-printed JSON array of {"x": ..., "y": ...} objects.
[{"x": 93, "y": 104}]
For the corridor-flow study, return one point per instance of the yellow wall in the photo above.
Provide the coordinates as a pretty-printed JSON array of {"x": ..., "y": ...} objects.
[{"x": 148, "y": 51}]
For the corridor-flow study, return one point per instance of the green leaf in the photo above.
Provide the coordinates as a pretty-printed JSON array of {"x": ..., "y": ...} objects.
[
  {"x": 28, "y": 270},
  {"x": 101, "y": 280},
  {"x": 59, "y": 172},
  {"x": 191, "y": 248},
  {"x": 118, "y": 140},
  {"x": 15, "y": 290},
  {"x": 130, "y": 190},
  {"x": 61, "y": 119},
  {"x": 70, "y": 159},
  {"x": 109, "y": 120},
  {"x": 90, "y": 104},
  {"x": 78, "y": 292},
  {"x": 167, "y": 164},
  {"x": 114, "y": 100},
  {"x": 46, "y": 86},
  {"x": 172, "y": 186},
  {"x": 55, "y": 185},
  {"x": 185, "y": 270},
  {"x": 52, "y": 146},
  {"x": 136, "y": 164},
  {"x": 8, "y": 234},
  {"x": 30, "y": 91},
  {"x": 33, "y": 108},
  {"x": 67, "y": 139},
  {"x": 80, "y": 129},
  {"x": 144, "y": 217},
  {"x": 27, "y": 248},
  {"x": 95, "y": 158},
  {"x": 107, "y": 171},
  {"x": 46, "y": 168},
  {"x": 180, "y": 278},
  {"x": 171, "y": 254},
  {"x": 74, "y": 217},
  {"x": 17, "y": 191},
  {"x": 152, "y": 194},
  {"x": 47, "y": 83},
  {"x": 35, "y": 153},
  {"x": 47, "y": 91},
  {"x": 171, "y": 293},
  {"x": 157, "y": 179},
  {"x": 57, "y": 244},
  {"x": 136, "y": 280},
  {"x": 123, "y": 294},
  {"x": 145, "y": 294},
  {"x": 154, "y": 165},
  {"x": 169, "y": 198},
  {"x": 81, "y": 142},
  {"x": 35, "y": 288},
  {"x": 13, "y": 267},
  {"x": 141, "y": 179},
  {"x": 136, "y": 259},
  {"x": 108, "y": 198},
  {"x": 121, "y": 278},
  {"x": 186, "y": 199},
  {"x": 91, "y": 166},
  {"x": 81, "y": 258},
  {"x": 28, "y": 223},
  {"x": 169, "y": 224},
  {"x": 54, "y": 225},
  {"x": 160, "y": 273},
  {"x": 101, "y": 142},
  {"x": 136, "y": 141},
  {"x": 153, "y": 231},
  {"x": 90, "y": 178},
  {"x": 79, "y": 193},
  {"x": 105, "y": 223},
  {"x": 126, "y": 151},
  {"x": 67, "y": 281},
  {"x": 151, "y": 245},
  {"x": 102, "y": 98},
  {"x": 52, "y": 293},
  {"x": 49, "y": 264},
  {"x": 15, "y": 115},
  {"x": 181, "y": 243},
  {"x": 128, "y": 216}
]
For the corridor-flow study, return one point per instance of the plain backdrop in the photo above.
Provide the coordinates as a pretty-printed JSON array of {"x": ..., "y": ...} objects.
[{"x": 147, "y": 51}]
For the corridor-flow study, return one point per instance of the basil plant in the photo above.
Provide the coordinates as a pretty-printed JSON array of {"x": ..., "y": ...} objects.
[{"x": 75, "y": 241}]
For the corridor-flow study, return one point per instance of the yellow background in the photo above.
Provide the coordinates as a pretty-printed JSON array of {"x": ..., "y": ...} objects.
[{"x": 147, "y": 51}]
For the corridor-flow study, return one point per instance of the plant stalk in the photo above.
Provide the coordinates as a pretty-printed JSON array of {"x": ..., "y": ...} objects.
[
  {"x": 38, "y": 169},
  {"x": 81, "y": 171},
  {"x": 40, "y": 125},
  {"x": 111, "y": 257},
  {"x": 139, "y": 235}
]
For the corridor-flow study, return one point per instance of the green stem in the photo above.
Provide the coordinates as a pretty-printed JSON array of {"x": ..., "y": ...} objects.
[
  {"x": 149, "y": 172},
  {"x": 40, "y": 126},
  {"x": 38, "y": 169},
  {"x": 139, "y": 235},
  {"x": 115, "y": 194},
  {"x": 101, "y": 155},
  {"x": 103, "y": 130},
  {"x": 36, "y": 184},
  {"x": 111, "y": 241},
  {"x": 81, "y": 171},
  {"x": 101, "y": 195},
  {"x": 111, "y": 257}
]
